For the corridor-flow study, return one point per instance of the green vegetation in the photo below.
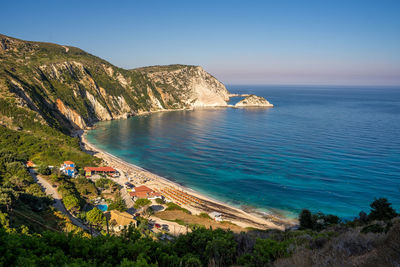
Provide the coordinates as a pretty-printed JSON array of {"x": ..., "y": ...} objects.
[
  {"x": 44, "y": 170},
  {"x": 160, "y": 201},
  {"x": 96, "y": 216},
  {"x": 141, "y": 202},
  {"x": 85, "y": 187},
  {"x": 317, "y": 221},
  {"x": 204, "y": 215},
  {"x": 71, "y": 202},
  {"x": 32, "y": 77},
  {"x": 44, "y": 149},
  {"x": 382, "y": 210},
  {"x": 173, "y": 206},
  {"x": 118, "y": 203},
  {"x": 106, "y": 183}
]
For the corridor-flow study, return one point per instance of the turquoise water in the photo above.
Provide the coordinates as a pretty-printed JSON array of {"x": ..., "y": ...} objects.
[
  {"x": 103, "y": 208},
  {"x": 329, "y": 149}
]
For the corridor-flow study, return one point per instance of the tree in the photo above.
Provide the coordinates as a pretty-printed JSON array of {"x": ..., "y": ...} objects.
[
  {"x": 381, "y": 209},
  {"x": 103, "y": 183},
  {"x": 141, "y": 202},
  {"x": 331, "y": 219},
  {"x": 221, "y": 249},
  {"x": 35, "y": 190},
  {"x": 306, "y": 220},
  {"x": 44, "y": 170},
  {"x": 363, "y": 217},
  {"x": 96, "y": 216},
  {"x": 71, "y": 202},
  {"x": 7, "y": 197},
  {"x": 267, "y": 250},
  {"x": 4, "y": 220},
  {"x": 118, "y": 203},
  {"x": 160, "y": 201}
]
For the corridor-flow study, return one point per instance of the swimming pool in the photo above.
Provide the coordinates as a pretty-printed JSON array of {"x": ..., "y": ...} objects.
[{"x": 102, "y": 207}]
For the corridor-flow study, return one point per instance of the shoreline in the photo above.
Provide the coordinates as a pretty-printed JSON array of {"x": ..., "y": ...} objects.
[{"x": 240, "y": 217}]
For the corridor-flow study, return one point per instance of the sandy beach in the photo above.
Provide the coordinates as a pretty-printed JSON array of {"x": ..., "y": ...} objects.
[{"x": 140, "y": 176}]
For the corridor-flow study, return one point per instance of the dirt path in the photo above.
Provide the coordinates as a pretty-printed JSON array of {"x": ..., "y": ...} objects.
[{"x": 51, "y": 191}]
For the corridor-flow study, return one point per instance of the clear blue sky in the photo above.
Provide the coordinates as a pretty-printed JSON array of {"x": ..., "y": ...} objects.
[{"x": 240, "y": 42}]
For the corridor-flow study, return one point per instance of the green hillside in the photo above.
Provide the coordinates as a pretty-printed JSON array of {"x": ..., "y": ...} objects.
[{"x": 49, "y": 91}]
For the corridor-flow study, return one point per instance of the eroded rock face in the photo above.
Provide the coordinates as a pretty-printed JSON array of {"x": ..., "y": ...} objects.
[
  {"x": 70, "y": 85},
  {"x": 192, "y": 86},
  {"x": 254, "y": 101}
]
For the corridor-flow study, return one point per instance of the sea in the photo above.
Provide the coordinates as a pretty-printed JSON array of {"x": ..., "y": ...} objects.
[{"x": 330, "y": 149}]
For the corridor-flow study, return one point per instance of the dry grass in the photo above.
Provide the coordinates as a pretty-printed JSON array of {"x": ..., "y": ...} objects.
[
  {"x": 173, "y": 215},
  {"x": 351, "y": 248}
]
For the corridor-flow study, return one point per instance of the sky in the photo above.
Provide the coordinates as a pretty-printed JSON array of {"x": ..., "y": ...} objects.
[{"x": 352, "y": 42}]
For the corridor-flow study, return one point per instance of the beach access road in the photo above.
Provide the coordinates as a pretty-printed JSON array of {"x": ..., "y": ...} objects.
[
  {"x": 51, "y": 191},
  {"x": 121, "y": 180}
]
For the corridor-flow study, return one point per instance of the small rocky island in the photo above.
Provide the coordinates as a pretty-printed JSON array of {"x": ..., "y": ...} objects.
[{"x": 254, "y": 101}]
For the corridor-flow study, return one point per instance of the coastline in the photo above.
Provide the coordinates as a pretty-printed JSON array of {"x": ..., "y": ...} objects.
[{"x": 230, "y": 213}]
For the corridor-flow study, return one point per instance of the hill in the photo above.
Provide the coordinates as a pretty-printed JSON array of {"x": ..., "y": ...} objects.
[
  {"x": 48, "y": 91},
  {"x": 67, "y": 88}
]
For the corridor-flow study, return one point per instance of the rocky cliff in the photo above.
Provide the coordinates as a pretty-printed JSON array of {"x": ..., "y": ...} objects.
[
  {"x": 254, "y": 101},
  {"x": 68, "y": 88}
]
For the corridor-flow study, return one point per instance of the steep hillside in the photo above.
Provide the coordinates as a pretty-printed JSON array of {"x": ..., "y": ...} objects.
[{"x": 67, "y": 88}]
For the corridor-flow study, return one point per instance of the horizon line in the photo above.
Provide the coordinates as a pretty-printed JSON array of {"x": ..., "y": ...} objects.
[{"x": 305, "y": 84}]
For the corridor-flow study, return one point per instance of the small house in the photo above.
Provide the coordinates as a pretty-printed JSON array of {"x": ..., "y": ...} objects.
[
  {"x": 30, "y": 164},
  {"x": 68, "y": 168},
  {"x": 70, "y": 171},
  {"x": 216, "y": 216},
  {"x": 118, "y": 220},
  {"x": 69, "y": 164}
]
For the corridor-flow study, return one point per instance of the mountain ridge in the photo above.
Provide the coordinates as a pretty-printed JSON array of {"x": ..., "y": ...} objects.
[{"x": 71, "y": 89}]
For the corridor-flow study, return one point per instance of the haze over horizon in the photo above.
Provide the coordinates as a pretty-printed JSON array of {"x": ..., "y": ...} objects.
[{"x": 257, "y": 42}]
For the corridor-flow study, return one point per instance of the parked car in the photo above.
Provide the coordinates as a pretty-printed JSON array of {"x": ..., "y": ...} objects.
[
  {"x": 157, "y": 226},
  {"x": 129, "y": 185}
]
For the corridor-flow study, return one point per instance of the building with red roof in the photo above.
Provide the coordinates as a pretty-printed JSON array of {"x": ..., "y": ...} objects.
[
  {"x": 30, "y": 164},
  {"x": 68, "y": 168},
  {"x": 144, "y": 192},
  {"x": 89, "y": 171}
]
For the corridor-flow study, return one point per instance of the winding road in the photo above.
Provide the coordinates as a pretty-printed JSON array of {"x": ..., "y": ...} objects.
[{"x": 51, "y": 191}]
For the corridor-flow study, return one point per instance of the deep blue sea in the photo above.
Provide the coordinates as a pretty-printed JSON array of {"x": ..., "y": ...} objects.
[{"x": 329, "y": 149}]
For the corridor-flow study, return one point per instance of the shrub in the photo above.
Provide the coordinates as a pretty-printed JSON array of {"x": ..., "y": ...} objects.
[
  {"x": 44, "y": 170},
  {"x": 160, "y": 201},
  {"x": 96, "y": 216},
  {"x": 204, "y": 215},
  {"x": 71, "y": 202},
  {"x": 267, "y": 250},
  {"x": 373, "y": 228},
  {"x": 331, "y": 219},
  {"x": 381, "y": 209},
  {"x": 118, "y": 204},
  {"x": 173, "y": 206},
  {"x": 306, "y": 220},
  {"x": 141, "y": 202}
]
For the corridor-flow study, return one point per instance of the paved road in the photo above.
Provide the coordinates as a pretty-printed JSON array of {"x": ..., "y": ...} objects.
[
  {"x": 50, "y": 190},
  {"x": 124, "y": 193}
]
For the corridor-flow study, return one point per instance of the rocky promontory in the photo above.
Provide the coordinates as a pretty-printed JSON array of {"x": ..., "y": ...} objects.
[{"x": 254, "y": 101}]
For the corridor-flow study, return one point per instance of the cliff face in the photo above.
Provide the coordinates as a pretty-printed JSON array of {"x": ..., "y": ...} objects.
[
  {"x": 190, "y": 84},
  {"x": 254, "y": 101},
  {"x": 72, "y": 89}
]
